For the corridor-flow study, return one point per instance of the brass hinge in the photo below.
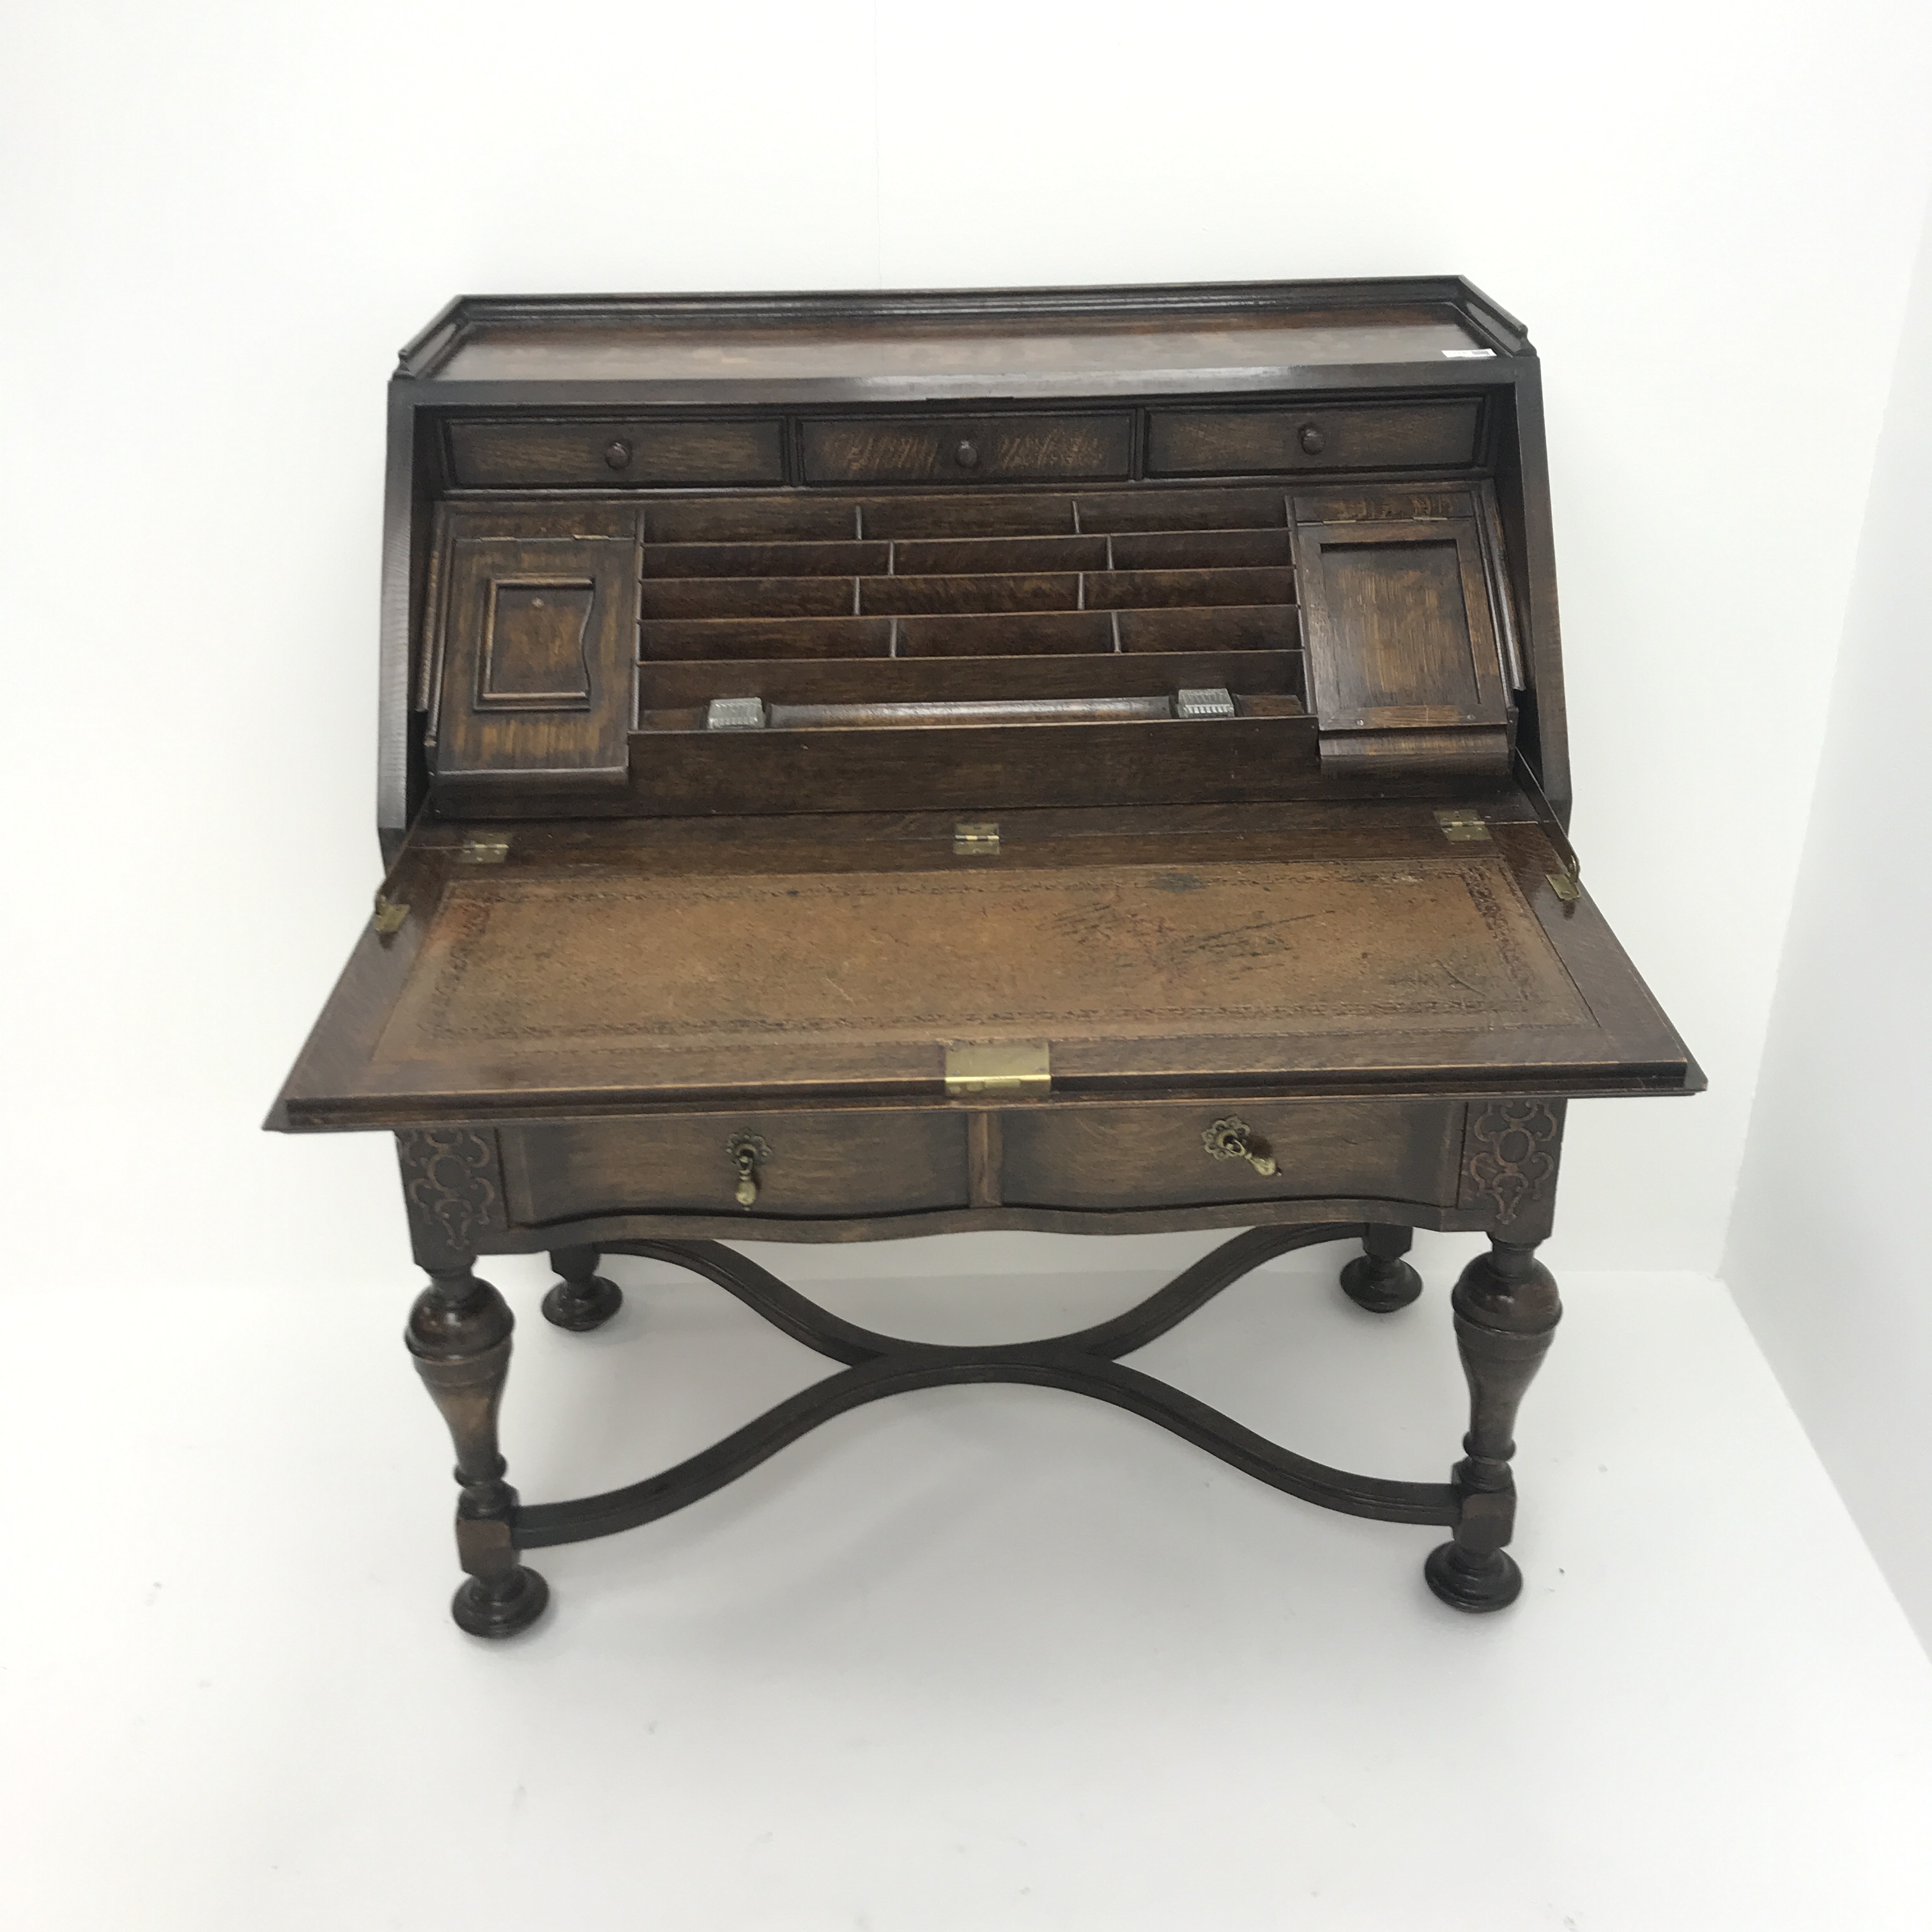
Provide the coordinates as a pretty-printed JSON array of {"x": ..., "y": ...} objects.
[
  {"x": 488, "y": 851},
  {"x": 1463, "y": 823},
  {"x": 390, "y": 914},
  {"x": 1003, "y": 1068},
  {"x": 1567, "y": 883},
  {"x": 976, "y": 837}
]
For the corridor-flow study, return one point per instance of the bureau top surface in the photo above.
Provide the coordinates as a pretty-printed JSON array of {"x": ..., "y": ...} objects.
[{"x": 962, "y": 343}]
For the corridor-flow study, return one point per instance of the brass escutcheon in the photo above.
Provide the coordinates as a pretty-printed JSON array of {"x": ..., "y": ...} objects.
[
  {"x": 1233, "y": 1139},
  {"x": 748, "y": 1153}
]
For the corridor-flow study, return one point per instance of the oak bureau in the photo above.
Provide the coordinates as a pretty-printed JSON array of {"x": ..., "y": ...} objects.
[{"x": 1089, "y": 760}]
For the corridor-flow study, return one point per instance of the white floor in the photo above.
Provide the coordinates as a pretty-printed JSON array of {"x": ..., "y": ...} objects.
[{"x": 977, "y": 1658}]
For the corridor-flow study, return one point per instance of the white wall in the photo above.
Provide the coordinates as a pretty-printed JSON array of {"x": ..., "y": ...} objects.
[
  {"x": 1827, "y": 1254},
  {"x": 223, "y": 218}
]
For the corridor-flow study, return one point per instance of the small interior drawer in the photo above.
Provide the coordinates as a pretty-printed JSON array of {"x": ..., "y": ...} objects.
[
  {"x": 1100, "y": 1157},
  {"x": 815, "y": 1166},
  {"x": 965, "y": 449},
  {"x": 612, "y": 453},
  {"x": 1313, "y": 436}
]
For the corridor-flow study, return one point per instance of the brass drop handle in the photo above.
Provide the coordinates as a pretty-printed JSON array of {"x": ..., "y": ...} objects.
[
  {"x": 967, "y": 456},
  {"x": 1233, "y": 1139},
  {"x": 748, "y": 1153}
]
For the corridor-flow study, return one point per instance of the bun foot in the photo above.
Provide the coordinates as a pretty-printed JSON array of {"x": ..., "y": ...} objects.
[
  {"x": 501, "y": 1606},
  {"x": 581, "y": 1307},
  {"x": 583, "y": 1300},
  {"x": 1379, "y": 1284},
  {"x": 1475, "y": 1580}
]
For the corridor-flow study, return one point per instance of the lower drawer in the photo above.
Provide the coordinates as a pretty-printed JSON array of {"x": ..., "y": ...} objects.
[
  {"x": 1161, "y": 1156},
  {"x": 828, "y": 1166},
  {"x": 809, "y": 1166}
]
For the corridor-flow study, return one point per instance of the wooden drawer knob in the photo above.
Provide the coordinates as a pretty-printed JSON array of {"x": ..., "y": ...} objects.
[
  {"x": 1313, "y": 443},
  {"x": 967, "y": 456},
  {"x": 617, "y": 454}
]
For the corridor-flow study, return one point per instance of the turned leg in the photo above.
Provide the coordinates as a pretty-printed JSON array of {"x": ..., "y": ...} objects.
[
  {"x": 1379, "y": 1279},
  {"x": 459, "y": 1334},
  {"x": 583, "y": 1300},
  {"x": 1506, "y": 1311}
]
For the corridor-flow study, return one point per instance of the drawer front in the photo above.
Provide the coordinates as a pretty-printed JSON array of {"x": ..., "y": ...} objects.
[
  {"x": 612, "y": 453},
  {"x": 1240, "y": 443},
  {"x": 819, "y": 1166},
  {"x": 965, "y": 449},
  {"x": 1118, "y": 1157}
]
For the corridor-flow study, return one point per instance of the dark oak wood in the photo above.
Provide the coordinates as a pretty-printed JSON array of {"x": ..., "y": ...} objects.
[
  {"x": 583, "y": 1300},
  {"x": 1034, "y": 448},
  {"x": 598, "y": 452},
  {"x": 1246, "y": 442},
  {"x": 1085, "y": 1364},
  {"x": 459, "y": 1338},
  {"x": 786, "y": 699},
  {"x": 1506, "y": 1310},
  {"x": 1379, "y": 1279}
]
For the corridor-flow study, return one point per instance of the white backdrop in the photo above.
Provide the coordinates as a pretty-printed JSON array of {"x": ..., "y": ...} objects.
[
  {"x": 223, "y": 218},
  {"x": 1827, "y": 1256},
  {"x": 987, "y": 1662}
]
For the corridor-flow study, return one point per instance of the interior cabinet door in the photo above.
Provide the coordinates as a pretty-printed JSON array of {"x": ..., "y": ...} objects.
[
  {"x": 541, "y": 632},
  {"x": 1402, "y": 650}
]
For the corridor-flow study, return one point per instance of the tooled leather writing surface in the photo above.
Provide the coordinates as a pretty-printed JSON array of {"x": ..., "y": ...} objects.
[{"x": 525, "y": 963}]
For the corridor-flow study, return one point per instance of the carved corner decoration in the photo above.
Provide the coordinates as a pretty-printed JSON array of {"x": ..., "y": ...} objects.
[
  {"x": 1511, "y": 1152},
  {"x": 453, "y": 1185}
]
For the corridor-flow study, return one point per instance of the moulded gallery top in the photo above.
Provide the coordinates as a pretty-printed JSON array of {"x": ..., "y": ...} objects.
[{"x": 1006, "y": 341}]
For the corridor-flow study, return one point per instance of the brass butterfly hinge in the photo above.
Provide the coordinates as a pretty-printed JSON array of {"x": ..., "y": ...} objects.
[
  {"x": 976, "y": 838},
  {"x": 1463, "y": 823},
  {"x": 1004, "y": 1068}
]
